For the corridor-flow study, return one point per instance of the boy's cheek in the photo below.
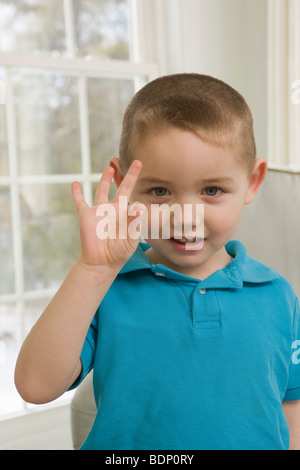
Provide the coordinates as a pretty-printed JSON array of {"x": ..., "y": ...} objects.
[
  {"x": 223, "y": 216},
  {"x": 223, "y": 226}
]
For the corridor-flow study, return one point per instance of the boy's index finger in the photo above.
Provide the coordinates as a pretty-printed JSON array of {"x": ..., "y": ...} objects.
[{"x": 130, "y": 179}]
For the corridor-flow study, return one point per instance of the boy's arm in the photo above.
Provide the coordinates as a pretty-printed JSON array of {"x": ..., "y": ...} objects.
[
  {"x": 49, "y": 360},
  {"x": 292, "y": 413}
]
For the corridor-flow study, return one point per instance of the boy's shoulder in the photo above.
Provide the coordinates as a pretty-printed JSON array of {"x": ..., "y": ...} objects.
[
  {"x": 256, "y": 272},
  {"x": 250, "y": 269}
]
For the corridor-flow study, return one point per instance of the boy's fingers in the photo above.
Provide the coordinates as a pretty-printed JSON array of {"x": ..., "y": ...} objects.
[
  {"x": 129, "y": 181},
  {"x": 104, "y": 185},
  {"x": 78, "y": 198},
  {"x": 137, "y": 209}
]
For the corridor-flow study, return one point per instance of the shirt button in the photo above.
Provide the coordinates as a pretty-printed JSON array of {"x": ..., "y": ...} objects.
[
  {"x": 202, "y": 291},
  {"x": 160, "y": 274}
]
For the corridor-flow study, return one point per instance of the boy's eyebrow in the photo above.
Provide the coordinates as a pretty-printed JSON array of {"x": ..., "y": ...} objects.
[
  {"x": 152, "y": 180},
  {"x": 218, "y": 180},
  {"x": 223, "y": 180}
]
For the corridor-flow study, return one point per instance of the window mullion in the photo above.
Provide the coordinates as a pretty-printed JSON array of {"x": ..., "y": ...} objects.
[
  {"x": 134, "y": 43},
  {"x": 14, "y": 186},
  {"x": 85, "y": 138},
  {"x": 70, "y": 28},
  {"x": 15, "y": 207}
]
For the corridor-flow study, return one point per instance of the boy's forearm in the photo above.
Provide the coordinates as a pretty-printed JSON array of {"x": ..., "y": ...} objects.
[
  {"x": 49, "y": 360},
  {"x": 292, "y": 413}
]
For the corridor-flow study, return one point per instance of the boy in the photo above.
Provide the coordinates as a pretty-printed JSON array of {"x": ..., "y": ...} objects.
[{"x": 192, "y": 343}]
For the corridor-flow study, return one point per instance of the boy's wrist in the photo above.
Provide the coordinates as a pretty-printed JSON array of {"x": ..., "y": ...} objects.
[{"x": 99, "y": 273}]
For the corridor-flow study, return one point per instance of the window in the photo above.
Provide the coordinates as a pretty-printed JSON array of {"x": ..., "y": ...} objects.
[{"x": 67, "y": 71}]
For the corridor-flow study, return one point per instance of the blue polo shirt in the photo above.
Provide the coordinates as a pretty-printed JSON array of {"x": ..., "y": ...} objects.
[{"x": 184, "y": 364}]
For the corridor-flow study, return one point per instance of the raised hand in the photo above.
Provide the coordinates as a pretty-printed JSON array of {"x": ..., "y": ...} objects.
[{"x": 111, "y": 252}]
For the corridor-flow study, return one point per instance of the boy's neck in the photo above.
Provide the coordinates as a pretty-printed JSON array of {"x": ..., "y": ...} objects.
[{"x": 218, "y": 261}]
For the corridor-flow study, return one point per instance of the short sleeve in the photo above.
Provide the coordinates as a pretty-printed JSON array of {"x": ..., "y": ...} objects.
[
  {"x": 293, "y": 389},
  {"x": 88, "y": 352}
]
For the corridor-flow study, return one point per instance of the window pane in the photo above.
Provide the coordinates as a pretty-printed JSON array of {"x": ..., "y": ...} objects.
[
  {"x": 102, "y": 28},
  {"x": 6, "y": 248},
  {"x": 50, "y": 235},
  {"x": 10, "y": 401},
  {"x": 108, "y": 100},
  {"x": 3, "y": 136},
  {"x": 33, "y": 310},
  {"x": 47, "y": 124},
  {"x": 32, "y": 26}
]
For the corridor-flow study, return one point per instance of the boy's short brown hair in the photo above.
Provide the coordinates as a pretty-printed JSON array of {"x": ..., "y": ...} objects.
[{"x": 201, "y": 104}]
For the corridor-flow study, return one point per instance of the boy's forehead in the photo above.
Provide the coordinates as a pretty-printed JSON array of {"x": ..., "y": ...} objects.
[{"x": 178, "y": 154}]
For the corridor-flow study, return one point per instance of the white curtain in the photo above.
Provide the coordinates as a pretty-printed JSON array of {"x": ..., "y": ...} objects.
[{"x": 284, "y": 83}]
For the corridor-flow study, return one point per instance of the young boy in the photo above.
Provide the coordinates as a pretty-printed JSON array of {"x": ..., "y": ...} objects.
[{"x": 192, "y": 342}]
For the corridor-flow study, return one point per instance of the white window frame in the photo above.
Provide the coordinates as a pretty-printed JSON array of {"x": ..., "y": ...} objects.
[{"x": 136, "y": 68}]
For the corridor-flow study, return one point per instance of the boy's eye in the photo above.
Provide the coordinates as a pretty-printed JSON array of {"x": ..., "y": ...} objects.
[
  {"x": 212, "y": 192},
  {"x": 159, "y": 192}
]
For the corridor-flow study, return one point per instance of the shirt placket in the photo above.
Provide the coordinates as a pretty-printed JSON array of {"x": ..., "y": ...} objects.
[{"x": 206, "y": 309}]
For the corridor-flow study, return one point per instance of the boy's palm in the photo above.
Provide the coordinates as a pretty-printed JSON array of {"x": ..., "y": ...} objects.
[{"x": 112, "y": 252}]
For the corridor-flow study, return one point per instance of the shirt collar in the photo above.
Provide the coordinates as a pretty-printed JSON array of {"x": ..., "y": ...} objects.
[{"x": 241, "y": 269}]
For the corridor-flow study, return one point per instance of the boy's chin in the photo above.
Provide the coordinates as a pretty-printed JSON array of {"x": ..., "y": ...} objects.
[{"x": 172, "y": 253}]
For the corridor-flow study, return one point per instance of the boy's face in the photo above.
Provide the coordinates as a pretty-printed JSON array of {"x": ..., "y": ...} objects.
[{"x": 179, "y": 168}]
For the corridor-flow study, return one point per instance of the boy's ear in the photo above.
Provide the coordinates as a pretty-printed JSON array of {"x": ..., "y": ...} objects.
[
  {"x": 118, "y": 176},
  {"x": 256, "y": 179}
]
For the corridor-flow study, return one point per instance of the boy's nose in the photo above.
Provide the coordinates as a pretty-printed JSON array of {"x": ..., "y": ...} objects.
[{"x": 191, "y": 221}]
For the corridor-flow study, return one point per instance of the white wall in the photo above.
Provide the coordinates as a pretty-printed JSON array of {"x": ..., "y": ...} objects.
[
  {"x": 223, "y": 38},
  {"x": 228, "y": 39}
]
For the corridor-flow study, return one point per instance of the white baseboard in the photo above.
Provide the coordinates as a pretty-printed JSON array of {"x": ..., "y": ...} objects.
[{"x": 38, "y": 430}]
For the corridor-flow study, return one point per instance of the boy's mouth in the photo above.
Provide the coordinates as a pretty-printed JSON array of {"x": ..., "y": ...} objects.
[
  {"x": 187, "y": 244},
  {"x": 186, "y": 240}
]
